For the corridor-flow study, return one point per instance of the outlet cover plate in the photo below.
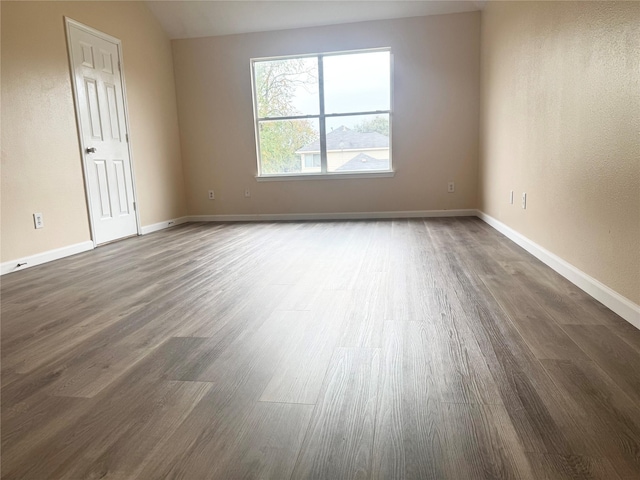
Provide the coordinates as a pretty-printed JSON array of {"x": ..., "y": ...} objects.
[{"x": 38, "y": 221}]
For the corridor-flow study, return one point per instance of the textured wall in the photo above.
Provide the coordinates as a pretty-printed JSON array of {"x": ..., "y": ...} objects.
[
  {"x": 435, "y": 118},
  {"x": 561, "y": 121},
  {"x": 41, "y": 163}
]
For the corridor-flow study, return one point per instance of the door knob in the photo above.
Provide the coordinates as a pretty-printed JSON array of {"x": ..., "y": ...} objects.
[{"x": 91, "y": 150}]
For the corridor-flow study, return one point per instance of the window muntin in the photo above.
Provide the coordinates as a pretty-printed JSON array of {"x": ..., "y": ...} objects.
[{"x": 297, "y": 135}]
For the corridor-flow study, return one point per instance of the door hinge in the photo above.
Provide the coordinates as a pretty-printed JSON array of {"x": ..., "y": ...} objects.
[
  {"x": 126, "y": 135},
  {"x": 119, "y": 66},
  {"x": 134, "y": 206}
]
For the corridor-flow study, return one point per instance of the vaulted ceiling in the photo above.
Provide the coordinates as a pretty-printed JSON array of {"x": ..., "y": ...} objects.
[{"x": 190, "y": 19}]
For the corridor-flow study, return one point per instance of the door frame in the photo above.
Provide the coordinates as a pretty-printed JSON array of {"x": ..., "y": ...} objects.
[{"x": 69, "y": 23}]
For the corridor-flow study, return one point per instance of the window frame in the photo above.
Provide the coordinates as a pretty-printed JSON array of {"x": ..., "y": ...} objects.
[{"x": 321, "y": 117}]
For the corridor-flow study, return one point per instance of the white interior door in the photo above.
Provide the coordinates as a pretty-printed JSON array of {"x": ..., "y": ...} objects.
[{"x": 95, "y": 60}]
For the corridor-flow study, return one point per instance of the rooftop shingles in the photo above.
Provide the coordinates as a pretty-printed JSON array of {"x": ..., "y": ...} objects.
[
  {"x": 362, "y": 161},
  {"x": 343, "y": 138}
]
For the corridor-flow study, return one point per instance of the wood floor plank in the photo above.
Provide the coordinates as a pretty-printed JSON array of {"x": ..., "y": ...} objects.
[
  {"x": 300, "y": 374},
  {"x": 339, "y": 441},
  {"x": 346, "y": 258},
  {"x": 266, "y": 446},
  {"x": 408, "y": 425},
  {"x": 475, "y": 251},
  {"x": 608, "y": 420},
  {"x": 528, "y": 394},
  {"x": 570, "y": 467},
  {"x": 173, "y": 360},
  {"x": 565, "y": 302},
  {"x": 585, "y": 306},
  {"x": 193, "y": 449},
  {"x": 463, "y": 372},
  {"x": 55, "y": 339},
  {"x": 126, "y": 457},
  {"x": 40, "y": 418},
  {"x": 255, "y": 351},
  {"x": 367, "y": 311},
  {"x": 105, "y": 355},
  {"x": 619, "y": 360},
  {"x": 108, "y": 424},
  {"x": 376, "y": 258},
  {"x": 628, "y": 333},
  {"x": 264, "y": 300},
  {"x": 543, "y": 335},
  {"x": 417, "y": 348},
  {"x": 238, "y": 377},
  {"x": 481, "y": 443}
]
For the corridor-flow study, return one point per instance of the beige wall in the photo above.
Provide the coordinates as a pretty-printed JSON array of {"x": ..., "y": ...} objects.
[
  {"x": 435, "y": 120},
  {"x": 41, "y": 163},
  {"x": 561, "y": 121}
]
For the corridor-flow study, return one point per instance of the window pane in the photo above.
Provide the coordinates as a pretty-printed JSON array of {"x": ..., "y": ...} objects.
[
  {"x": 287, "y": 87},
  {"x": 283, "y": 143},
  {"x": 358, "y": 143},
  {"x": 357, "y": 82}
]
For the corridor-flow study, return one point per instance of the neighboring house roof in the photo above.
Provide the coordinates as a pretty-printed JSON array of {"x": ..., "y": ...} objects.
[
  {"x": 362, "y": 161},
  {"x": 343, "y": 138}
]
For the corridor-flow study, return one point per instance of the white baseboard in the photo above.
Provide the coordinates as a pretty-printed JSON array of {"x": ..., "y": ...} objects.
[
  {"x": 270, "y": 217},
  {"x": 162, "y": 225},
  {"x": 51, "y": 255},
  {"x": 605, "y": 295},
  {"x": 44, "y": 257}
]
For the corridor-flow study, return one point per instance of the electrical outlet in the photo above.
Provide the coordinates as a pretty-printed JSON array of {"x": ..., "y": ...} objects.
[
  {"x": 511, "y": 197},
  {"x": 211, "y": 195},
  {"x": 38, "y": 220},
  {"x": 247, "y": 193},
  {"x": 524, "y": 200},
  {"x": 451, "y": 187}
]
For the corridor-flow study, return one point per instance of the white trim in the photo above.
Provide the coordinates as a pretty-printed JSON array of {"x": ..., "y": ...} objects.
[
  {"x": 324, "y": 176},
  {"x": 270, "y": 217},
  {"x": 321, "y": 116},
  {"x": 162, "y": 225},
  {"x": 104, "y": 36},
  {"x": 45, "y": 257},
  {"x": 132, "y": 165},
  {"x": 605, "y": 295},
  {"x": 69, "y": 23}
]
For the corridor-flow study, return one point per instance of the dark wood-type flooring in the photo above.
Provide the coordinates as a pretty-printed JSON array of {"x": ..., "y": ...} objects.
[{"x": 404, "y": 349}]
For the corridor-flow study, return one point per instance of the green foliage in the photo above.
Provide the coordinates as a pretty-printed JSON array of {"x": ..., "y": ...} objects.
[
  {"x": 378, "y": 124},
  {"x": 276, "y": 83},
  {"x": 279, "y": 142}
]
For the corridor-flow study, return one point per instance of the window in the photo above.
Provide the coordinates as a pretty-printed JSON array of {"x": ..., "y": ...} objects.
[
  {"x": 323, "y": 114},
  {"x": 311, "y": 160}
]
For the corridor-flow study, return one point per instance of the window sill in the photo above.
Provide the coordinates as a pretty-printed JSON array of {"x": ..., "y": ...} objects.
[{"x": 324, "y": 176}]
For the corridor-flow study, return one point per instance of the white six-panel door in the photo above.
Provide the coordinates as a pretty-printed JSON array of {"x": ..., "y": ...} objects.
[{"x": 100, "y": 107}]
